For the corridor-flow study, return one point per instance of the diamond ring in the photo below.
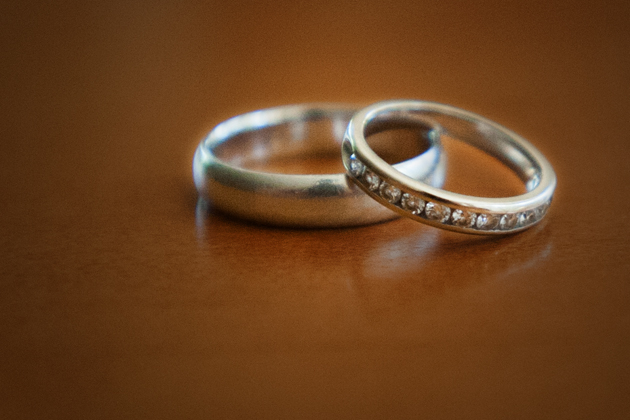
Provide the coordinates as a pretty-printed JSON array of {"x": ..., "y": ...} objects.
[
  {"x": 437, "y": 207},
  {"x": 223, "y": 174}
]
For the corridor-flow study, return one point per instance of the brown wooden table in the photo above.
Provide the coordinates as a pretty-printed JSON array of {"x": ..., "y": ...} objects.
[{"x": 118, "y": 302}]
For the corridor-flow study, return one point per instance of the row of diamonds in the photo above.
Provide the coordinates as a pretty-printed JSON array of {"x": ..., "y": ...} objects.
[{"x": 439, "y": 212}]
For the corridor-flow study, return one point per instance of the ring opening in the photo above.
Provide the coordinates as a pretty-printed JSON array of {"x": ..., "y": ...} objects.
[
  {"x": 480, "y": 159},
  {"x": 309, "y": 145}
]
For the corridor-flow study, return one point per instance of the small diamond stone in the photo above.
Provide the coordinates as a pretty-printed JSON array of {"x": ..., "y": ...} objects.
[
  {"x": 508, "y": 221},
  {"x": 487, "y": 221},
  {"x": 412, "y": 203},
  {"x": 435, "y": 211},
  {"x": 390, "y": 193},
  {"x": 356, "y": 167},
  {"x": 540, "y": 211},
  {"x": 525, "y": 218},
  {"x": 463, "y": 218},
  {"x": 372, "y": 180}
]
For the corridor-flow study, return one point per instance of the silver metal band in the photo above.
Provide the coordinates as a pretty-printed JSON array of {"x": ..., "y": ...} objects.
[
  {"x": 327, "y": 200},
  {"x": 437, "y": 207}
]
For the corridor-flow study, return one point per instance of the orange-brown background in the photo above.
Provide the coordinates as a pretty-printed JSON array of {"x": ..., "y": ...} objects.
[{"x": 116, "y": 302}]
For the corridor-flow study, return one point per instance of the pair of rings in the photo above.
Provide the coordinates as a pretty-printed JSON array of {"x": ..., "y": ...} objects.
[{"x": 372, "y": 190}]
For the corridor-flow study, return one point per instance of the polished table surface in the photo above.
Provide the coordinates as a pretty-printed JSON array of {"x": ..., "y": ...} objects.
[{"x": 120, "y": 300}]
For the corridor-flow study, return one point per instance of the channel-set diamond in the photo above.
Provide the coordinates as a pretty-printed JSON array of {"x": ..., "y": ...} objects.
[
  {"x": 412, "y": 203},
  {"x": 508, "y": 221},
  {"x": 390, "y": 192},
  {"x": 487, "y": 221},
  {"x": 463, "y": 218},
  {"x": 540, "y": 211},
  {"x": 356, "y": 167},
  {"x": 373, "y": 180},
  {"x": 527, "y": 217},
  {"x": 438, "y": 212}
]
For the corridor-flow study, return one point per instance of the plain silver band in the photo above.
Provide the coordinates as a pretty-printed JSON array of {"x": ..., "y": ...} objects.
[
  {"x": 328, "y": 200},
  {"x": 475, "y": 215}
]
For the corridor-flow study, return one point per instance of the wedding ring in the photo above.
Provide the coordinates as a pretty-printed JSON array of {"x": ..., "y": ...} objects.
[
  {"x": 434, "y": 206},
  {"x": 297, "y": 131}
]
